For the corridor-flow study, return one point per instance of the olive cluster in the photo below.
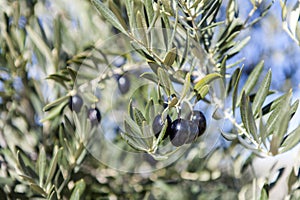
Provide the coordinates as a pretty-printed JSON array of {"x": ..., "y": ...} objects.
[
  {"x": 181, "y": 131},
  {"x": 93, "y": 114}
]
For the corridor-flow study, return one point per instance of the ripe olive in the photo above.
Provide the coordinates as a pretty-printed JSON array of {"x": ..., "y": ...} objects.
[
  {"x": 123, "y": 84},
  {"x": 193, "y": 132},
  {"x": 199, "y": 118},
  {"x": 75, "y": 103},
  {"x": 94, "y": 116},
  {"x": 179, "y": 132},
  {"x": 158, "y": 124}
]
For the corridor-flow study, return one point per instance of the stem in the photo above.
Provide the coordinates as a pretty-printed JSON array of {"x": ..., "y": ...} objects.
[{"x": 240, "y": 128}]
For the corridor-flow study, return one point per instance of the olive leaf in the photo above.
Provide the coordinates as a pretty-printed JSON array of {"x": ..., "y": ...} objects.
[
  {"x": 53, "y": 165},
  {"x": 42, "y": 165},
  {"x": 248, "y": 118},
  {"x": 108, "y": 15},
  {"x": 236, "y": 79},
  {"x": 202, "y": 86},
  {"x": 291, "y": 140},
  {"x": 186, "y": 87},
  {"x": 78, "y": 190},
  {"x": 165, "y": 81},
  {"x": 138, "y": 116},
  {"x": 58, "y": 101},
  {"x": 251, "y": 81},
  {"x": 262, "y": 93},
  {"x": 170, "y": 57}
]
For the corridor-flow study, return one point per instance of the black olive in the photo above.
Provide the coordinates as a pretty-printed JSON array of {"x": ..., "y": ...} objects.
[
  {"x": 94, "y": 116},
  {"x": 158, "y": 124},
  {"x": 75, "y": 103},
  {"x": 193, "y": 132},
  {"x": 123, "y": 84},
  {"x": 179, "y": 132},
  {"x": 199, "y": 118}
]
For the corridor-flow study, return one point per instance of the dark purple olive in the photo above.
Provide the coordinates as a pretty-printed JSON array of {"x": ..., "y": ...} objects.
[
  {"x": 75, "y": 103},
  {"x": 193, "y": 132},
  {"x": 94, "y": 116},
  {"x": 158, "y": 124},
  {"x": 123, "y": 84},
  {"x": 179, "y": 132},
  {"x": 199, "y": 118}
]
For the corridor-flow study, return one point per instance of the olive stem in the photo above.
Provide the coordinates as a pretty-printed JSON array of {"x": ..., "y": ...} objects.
[{"x": 241, "y": 129}]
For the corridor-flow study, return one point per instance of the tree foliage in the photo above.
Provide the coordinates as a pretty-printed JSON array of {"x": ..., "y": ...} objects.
[{"x": 175, "y": 57}]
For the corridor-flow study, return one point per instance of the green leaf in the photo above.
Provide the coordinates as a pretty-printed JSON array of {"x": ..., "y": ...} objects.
[
  {"x": 149, "y": 110},
  {"x": 129, "y": 4},
  {"x": 40, "y": 43},
  {"x": 154, "y": 66},
  {"x": 27, "y": 178},
  {"x": 291, "y": 141},
  {"x": 131, "y": 142},
  {"x": 141, "y": 50},
  {"x": 248, "y": 118},
  {"x": 235, "y": 88},
  {"x": 42, "y": 165},
  {"x": 149, "y": 10},
  {"x": 165, "y": 24},
  {"x": 170, "y": 57},
  {"x": 262, "y": 93},
  {"x": 133, "y": 128},
  {"x": 53, "y": 165},
  {"x": 134, "y": 136},
  {"x": 38, "y": 189},
  {"x": 53, "y": 196},
  {"x": 186, "y": 86},
  {"x": 138, "y": 116},
  {"x": 239, "y": 46},
  {"x": 262, "y": 130},
  {"x": 114, "y": 8},
  {"x": 73, "y": 73},
  {"x": 147, "y": 134},
  {"x": 165, "y": 81},
  {"x": 206, "y": 80},
  {"x": 252, "y": 80},
  {"x": 130, "y": 109},
  {"x": 203, "y": 92},
  {"x": 58, "y": 101},
  {"x": 142, "y": 28},
  {"x": 228, "y": 136},
  {"x": 61, "y": 79},
  {"x": 26, "y": 164},
  {"x": 108, "y": 15},
  {"x": 78, "y": 190},
  {"x": 150, "y": 76},
  {"x": 281, "y": 125},
  {"x": 231, "y": 11},
  {"x": 90, "y": 97}
]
